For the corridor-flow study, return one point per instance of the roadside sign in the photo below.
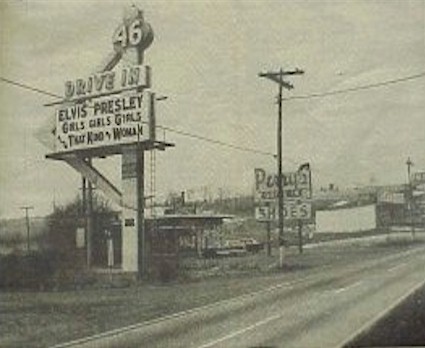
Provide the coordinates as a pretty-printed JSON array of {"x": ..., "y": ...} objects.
[
  {"x": 296, "y": 185},
  {"x": 292, "y": 210},
  {"x": 418, "y": 178},
  {"x": 107, "y": 83},
  {"x": 108, "y": 121},
  {"x": 297, "y": 194},
  {"x": 391, "y": 197},
  {"x": 269, "y": 195}
]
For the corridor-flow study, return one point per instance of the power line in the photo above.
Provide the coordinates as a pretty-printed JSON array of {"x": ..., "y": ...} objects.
[
  {"x": 177, "y": 131},
  {"x": 30, "y": 88},
  {"x": 358, "y": 88},
  {"x": 307, "y": 96},
  {"x": 233, "y": 146},
  {"x": 215, "y": 141}
]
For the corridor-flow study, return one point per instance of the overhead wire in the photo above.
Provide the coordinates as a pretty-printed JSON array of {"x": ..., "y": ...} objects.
[
  {"x": 357, "y": 88},
  {"x": 170, "y": 129},
  {"x": 307, "y": 96},
  {"x": 215, "y": 141},
  {"x": 238, "y": 147},
  {"x": 30, "y": 88}
]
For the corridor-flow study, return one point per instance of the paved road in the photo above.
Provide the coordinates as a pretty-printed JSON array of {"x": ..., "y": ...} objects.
[{"x": 324, "y": 309}]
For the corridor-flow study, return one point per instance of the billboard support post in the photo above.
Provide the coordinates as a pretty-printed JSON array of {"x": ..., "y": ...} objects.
[
  {"x": 268, "y": 225},
  {"x": 89, "y": 219},
  {"x": 300, "y": 236},
  {"x": 141, "y": 233}
]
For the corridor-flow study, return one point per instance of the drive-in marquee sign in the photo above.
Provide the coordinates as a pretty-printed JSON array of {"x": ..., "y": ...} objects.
[
  {"x": 108, "y": 108},
  {"x": 111, "y": 112},
  {"x": 107, "y": 83},
  {"x": 102, "y": 122}
]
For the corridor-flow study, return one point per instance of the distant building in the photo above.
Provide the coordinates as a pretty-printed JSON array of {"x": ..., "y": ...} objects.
[
  {"x": 396, "y": 205},
  {"x": 347, "y": 220}
]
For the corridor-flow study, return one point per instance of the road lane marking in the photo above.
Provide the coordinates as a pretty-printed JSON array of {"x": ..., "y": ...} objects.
[
  {"x": 235, "y": 299},
  {"x": 380, "y": 315},
  {"x": 181, "y": 314},
  {"x": 396, "y": 267},
  {"x": 241, "y": 331},
  {"x": 353, "y": 285}
]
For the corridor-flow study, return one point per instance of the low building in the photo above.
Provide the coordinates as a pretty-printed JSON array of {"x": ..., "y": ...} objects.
[
  {"x": 166, "y": 236},
  {"x": 346, "y": 220}
]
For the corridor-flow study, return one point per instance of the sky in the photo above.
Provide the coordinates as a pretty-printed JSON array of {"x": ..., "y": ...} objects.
[{"x": 206, "y": 57}]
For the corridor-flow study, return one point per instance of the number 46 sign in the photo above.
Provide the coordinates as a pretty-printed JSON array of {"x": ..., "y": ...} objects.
[{"x": 134, "y": 32}]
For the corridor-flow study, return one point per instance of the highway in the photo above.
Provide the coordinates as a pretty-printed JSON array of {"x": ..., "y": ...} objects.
[{"x": 324, "y": 308}]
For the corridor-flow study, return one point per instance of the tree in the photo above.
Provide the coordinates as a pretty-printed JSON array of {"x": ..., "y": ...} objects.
[{"x": 59, "y": 240}]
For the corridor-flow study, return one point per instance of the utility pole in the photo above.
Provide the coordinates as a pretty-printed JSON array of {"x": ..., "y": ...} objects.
[
  {"x": 27, "y": 208},
  {"x": 409, "y": 164},
  {"x": 278, "y": 78}
]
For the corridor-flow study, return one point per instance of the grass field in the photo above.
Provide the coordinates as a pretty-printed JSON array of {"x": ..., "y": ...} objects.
[{"x": 40, "y": 319}]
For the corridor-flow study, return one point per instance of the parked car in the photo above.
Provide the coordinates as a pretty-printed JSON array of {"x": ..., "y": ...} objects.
[
  {"x": 212, "y": 253},
  {"x": 234, "y": 247},
  {"x": 252, "y": 245}
]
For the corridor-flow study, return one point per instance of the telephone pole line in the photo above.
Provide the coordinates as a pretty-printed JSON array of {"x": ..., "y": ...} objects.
[
  {"x": 27, "y": 219},
  {"x": 277, "y": 77}
]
